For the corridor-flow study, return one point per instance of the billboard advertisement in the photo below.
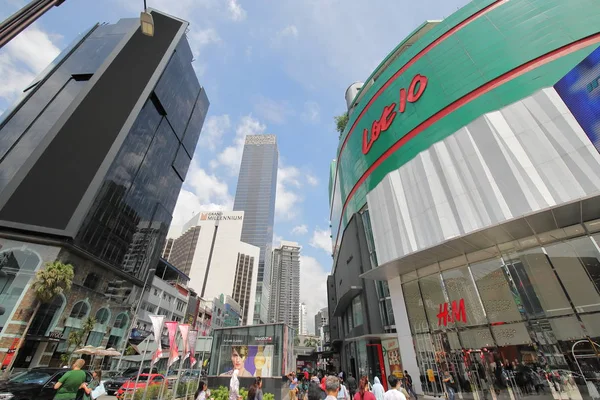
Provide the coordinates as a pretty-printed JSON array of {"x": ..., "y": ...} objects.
[
  {"x": 250, "y": 355},
  {"x": 391, "y": 354},
  {"x": 580, "y": 92}
]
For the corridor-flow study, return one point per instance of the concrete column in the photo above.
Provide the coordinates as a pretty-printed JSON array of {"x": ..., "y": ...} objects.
[{"x": 405, "y": 341}]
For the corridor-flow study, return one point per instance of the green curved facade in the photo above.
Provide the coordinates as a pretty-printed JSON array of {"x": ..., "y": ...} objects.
[{"x": 496, "y": 41}]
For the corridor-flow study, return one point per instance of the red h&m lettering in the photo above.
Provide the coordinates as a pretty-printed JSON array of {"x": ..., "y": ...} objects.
[
  {"x": 456, "y": 313},
  {"x": 388, "y": 114}
]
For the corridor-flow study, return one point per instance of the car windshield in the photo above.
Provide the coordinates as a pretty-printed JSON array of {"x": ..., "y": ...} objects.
[
  {"x": 37, "y": 377},
  {"x": 143, "y": 378}
]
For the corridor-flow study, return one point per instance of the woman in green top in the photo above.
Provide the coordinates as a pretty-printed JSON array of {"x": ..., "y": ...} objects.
[
  {"x": 88, "y": 388},
  {"x": 70, "y": 383}
]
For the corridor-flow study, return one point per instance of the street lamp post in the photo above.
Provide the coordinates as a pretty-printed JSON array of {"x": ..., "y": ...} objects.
[{"x": 16, "y": 23}]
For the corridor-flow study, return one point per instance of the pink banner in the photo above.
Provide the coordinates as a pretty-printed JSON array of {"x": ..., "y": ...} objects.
[
  {"x": 174, "y": 351},
  {"x": 184, "y": 329},
  {"x": 157, "y": 327},
  {"x": 192, "y": 339}
]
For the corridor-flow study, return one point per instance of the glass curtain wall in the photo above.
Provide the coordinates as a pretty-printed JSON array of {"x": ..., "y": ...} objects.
[{"x": 527, "y": 322}]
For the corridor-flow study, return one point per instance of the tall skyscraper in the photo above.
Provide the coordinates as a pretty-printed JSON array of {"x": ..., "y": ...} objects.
[
  {"x": 217, "y": 261},
  {"x": 255, "y": 195},
  {"x": 321, "y": 320},
  {"x": 92, "y": 159},
  {"x": 285, "y": 285},
  {"x": 303, "y": 328}
]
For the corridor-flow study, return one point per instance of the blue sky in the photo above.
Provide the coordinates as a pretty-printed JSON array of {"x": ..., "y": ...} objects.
[{"x": 278, "y": 67}]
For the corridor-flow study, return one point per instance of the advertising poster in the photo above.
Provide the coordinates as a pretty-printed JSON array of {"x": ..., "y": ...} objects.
[
  {"x": 580, "y": 90},
  {"x": 391, "y": 355},
  {"x": 251, "y": 356}
]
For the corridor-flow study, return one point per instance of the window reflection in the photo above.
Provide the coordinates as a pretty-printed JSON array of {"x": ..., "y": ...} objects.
[{"x": 577, "y": 264}]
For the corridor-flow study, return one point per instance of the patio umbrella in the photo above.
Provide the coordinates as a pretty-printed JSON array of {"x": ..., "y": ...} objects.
[{"x": 87, "y": 350}]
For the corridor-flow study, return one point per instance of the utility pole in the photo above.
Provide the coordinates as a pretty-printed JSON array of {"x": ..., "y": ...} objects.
[{"x": 27, "y": 15}]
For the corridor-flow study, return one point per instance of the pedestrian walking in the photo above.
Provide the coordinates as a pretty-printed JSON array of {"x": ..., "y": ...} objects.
[
  {"x": 351, "y": 384},
  {"x": 394, "y": 393},
  {"x": 378, "y": 390},
  {"x": 71, "y": 382},
  {"x": 408, "y": 384},
  {"x": 363, "y": 390},
  {"x": 450, "y": 385}
]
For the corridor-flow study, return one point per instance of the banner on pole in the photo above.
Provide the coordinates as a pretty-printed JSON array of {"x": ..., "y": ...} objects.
[
  {"x": 184, "y": 329},
  {"x": 192, "y": 339},
  {"x": 157, "y": 327},
  {"x": 173, "y": 349}
]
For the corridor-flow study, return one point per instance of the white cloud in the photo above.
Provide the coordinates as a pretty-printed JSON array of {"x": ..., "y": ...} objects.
[
  {"x": 313, "y": 288},
  {"x": 202, "y": 192},
  {"x": 236, "y": 12},
  {"x": 271, "y": 110},
  {"x": 290, "y": 30},
  {"x": 231, "y": 156},
  {"x": 311, "y": 112},
  {"x": 23, "y": 58},
  {"x": 312, "y": 180},
  {"x": 199, "y": 38},
  {"x": 276, "y": 240},
  {"x": 213, "y": 130},
  {"x": 321, "y": 239},
  {"x": 300, "y": 230},
  {"x": 288, "y": 199}
]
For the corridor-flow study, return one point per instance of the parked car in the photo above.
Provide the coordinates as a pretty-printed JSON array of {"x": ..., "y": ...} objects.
[
  {"x": 36, "y": 383},
  {"x": 113, "y": 384},
  {"x": 145, "y": 380}
]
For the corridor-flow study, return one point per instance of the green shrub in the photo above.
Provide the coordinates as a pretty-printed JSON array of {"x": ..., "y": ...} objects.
[
  {"x": 222, "y": 393},
  {"x": 153, "y": 393}
]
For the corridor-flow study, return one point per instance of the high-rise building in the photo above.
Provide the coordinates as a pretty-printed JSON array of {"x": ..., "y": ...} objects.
[
  {"x": 255, "y": 195},
  {"x": 183, "y": 249},
  {"x": 210, "y": 251},
  {"x": 168, "y": 247},
  {"x": 321, "y": 320},
  {"x": 92, "y": 159},
  {"x": 244, "y": 285},
  {"x": 303, "y": 328},
  {"x": 285, "y": 285}
]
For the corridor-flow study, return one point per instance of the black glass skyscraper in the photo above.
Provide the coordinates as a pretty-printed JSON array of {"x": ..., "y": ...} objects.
[
  {"x": 255, "y": 195},
  {"x": 97, "y": 150}
]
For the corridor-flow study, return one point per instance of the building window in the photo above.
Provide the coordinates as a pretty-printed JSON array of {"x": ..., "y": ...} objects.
[
  {"x": 80, "y": 310},
  {"x": 91, "y": 281},
  {"x": 102, "y": 316},
  {"x": 121, "y": 321},
  {"x": 357, "y": 312}
]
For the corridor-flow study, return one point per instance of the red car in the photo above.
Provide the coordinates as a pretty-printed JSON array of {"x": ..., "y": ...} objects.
[{"x": 145, "y": 380}]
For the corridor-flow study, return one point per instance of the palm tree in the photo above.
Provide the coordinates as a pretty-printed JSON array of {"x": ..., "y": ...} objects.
[
  {"x": 76, "y": 339},
  {"x": 55, "y": 279}
]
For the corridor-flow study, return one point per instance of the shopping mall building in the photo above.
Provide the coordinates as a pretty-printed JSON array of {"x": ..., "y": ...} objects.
[{"x": 471, "y": 163}]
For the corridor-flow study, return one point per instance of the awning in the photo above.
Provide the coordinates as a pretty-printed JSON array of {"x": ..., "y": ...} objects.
[{"x": 346, "y": 299}]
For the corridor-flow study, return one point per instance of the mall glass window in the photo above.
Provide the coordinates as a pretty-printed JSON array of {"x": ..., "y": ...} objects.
[
  {"x": 515, "y": 312},
  {"x": 17, "y": 267}
]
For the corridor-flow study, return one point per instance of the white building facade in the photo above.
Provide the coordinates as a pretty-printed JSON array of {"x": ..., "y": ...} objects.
[
  {"x": 214, "y": 257},
  {"x": 303, "y": 328}
]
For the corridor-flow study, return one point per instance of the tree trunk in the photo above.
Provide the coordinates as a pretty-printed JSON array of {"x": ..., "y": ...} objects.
[{"x": 22, "y": 339}]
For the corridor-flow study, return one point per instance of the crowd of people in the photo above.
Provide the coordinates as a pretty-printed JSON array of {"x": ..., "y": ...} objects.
[{"x": 325, "y": 387}]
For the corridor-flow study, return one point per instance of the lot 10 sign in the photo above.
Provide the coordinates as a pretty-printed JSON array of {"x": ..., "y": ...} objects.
[{"x": 415, "y": 91}]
